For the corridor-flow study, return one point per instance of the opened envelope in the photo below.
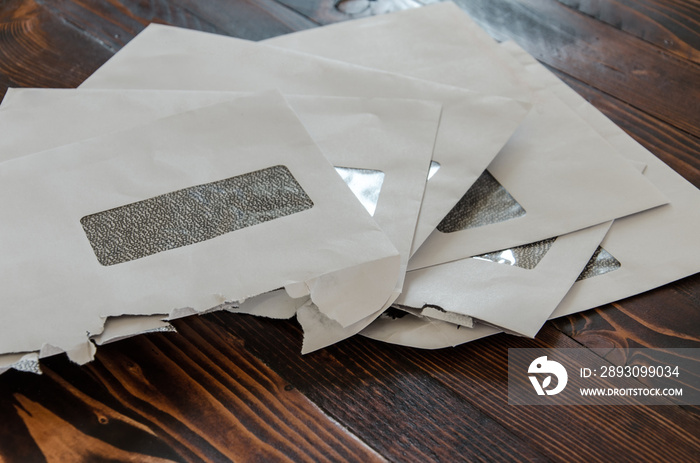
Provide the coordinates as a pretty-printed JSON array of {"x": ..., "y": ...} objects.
[
  {"x": 382, "y": 148},
  {"x": 179, "y": 216},
  {"x": 473, "y": 126},
  {"x": 639, "y": 252},
  {"x": 645, "y": 250},
  {"x": 554, "y": 176},
  {"x": 515, "y": 289}
]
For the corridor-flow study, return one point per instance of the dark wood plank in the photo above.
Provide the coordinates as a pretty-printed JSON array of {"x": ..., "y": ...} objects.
[
  {"x": 113, "y": 24},
  {"x": 626, "y": 67},
  {"x": 381, "y": 398},
  {"x": 252, "y": 20},
  {"x": 202, "y": 395},
  {"x": 37, "y": 49},
  {"x": 665, "y": 317},
  {"x": 196, "y": 396},
  {"x": 360, "y": 379},
  {"x": 679, "y": 149},
  {"x": 573, "y": 433},
  {"x": 671, "y": 25},
  {"x": 60, "y": 43}
]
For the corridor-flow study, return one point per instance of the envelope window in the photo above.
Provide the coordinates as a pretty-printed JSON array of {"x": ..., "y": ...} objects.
[
  {"x": 434, "y": 167},
  {"x": 366, "y": 184},
  {"x": 601, "y": 263},
  {"x": 194, "y": 214},
  {"x": 526, "y": 256},
  {"x": 485, "y": 203}
]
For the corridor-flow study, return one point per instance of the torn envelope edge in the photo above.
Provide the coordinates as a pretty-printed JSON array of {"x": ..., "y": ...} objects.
[
  {"x": 501, "y": 291},
  {"x": 126, "y": 326},
  {"x": 320, "y": 331},
  {"x": 166, "y": 57},
  {"x": 349, "y": 131},
  {"x": 84, "y": 353},
  {"x": 24, "y": 361},
  {"x": 114, "y": 329},
  {"x": 72, "y": 105},
  {"x": 442, "y": 44},
  {"x": 410, "y": 330}
]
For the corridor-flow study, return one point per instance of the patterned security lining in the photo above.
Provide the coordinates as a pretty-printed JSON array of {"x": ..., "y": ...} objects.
[
  {"x": 602, "y": 262},
  {"x": 28, "y": 365},
  {"x": 366, "y": 184},
  {"x": 194, "y": 214},
  {"x": 485, "y": 203},
  {"x": 526, "y": 256}
]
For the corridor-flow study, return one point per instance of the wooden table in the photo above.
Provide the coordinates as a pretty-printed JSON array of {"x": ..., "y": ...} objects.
[{"x": 232, "y": 387}]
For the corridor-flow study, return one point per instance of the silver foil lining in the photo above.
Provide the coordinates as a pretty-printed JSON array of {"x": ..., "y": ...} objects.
[
  {"x": 485, "y": 203},
  {"x": 366, "y": 184},
  {"x": 194, "y": 214},
  {"x": 526, "y": 256},
  {"x": 434, "y": 167}
]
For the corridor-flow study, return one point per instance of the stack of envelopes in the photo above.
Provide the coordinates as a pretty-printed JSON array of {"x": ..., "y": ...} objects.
[{"x": 195, "y": 172}]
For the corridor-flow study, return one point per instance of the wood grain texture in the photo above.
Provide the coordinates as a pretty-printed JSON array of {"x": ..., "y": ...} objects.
[
  {"x": 677, "y": 148},
  {"x": 39, "y": 49},
  {"x": 234, "y": 388},
  {"x": 671, "y": 25},
  {"x": 59, "y": 43},
  {"x": 452, "y": 390},
  {"x": 196, "y": 396},
  {"x": 661, "y": 84}
]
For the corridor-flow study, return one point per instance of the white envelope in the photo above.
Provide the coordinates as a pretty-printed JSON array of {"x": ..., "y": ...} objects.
[
  {"x": 472, "y": 130},
  {"x": 433, "y": 43},
  {"x": 514, "y": 289},
  {"x": 72, "y": 258},
  {"x": 654, "y": 247},
  {"x": 644, "y": 251},
  {"x": 389, "y": 139},
  {"x": 561, "y": 174},
  {"x": 390, "y": 136},
  {"x": 412, "y": 330}
]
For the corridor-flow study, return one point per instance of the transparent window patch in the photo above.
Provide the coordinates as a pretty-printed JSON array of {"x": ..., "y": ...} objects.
[
  {"x": 526, "y": 256},
  {"x": 194, "y": 214},
  {"x": 366, "y": 184},
  {"x": 434, "y": 167},
  {"x": 485, "y": 203},
  {"x": 602, "y": 262}
]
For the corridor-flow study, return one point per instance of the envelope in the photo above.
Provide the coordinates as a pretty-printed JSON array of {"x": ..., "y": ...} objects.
[
  {"x": 651, "y": 248},
  {"x": 436, "y": 42},
  {"x": 382, "y": 147},
  {"x": 350, "y": 131},
  {"x": 473, "y": 127},
  {"x": 82, "y": 241},
  {"x": 554, "y": 176},
  {"x": 413, "y": 330},
  {"x": 639, "y": 252},
  {"x": 515, "y": 289}
]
